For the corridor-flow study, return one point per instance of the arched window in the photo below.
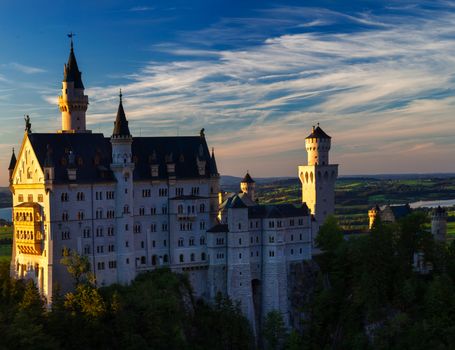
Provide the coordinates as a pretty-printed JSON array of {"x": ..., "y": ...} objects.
[
  {"x": 165, "y": 259},
  {"x": 192, "y": 257},
  {"x": 180, "y": 209},
  {"x": 202, "y": 240},
  {"x": 202, "y": 208},
  {"x": 203, "y": 257},
  {"x": 181, "y": 258},
  {"x": 154, "y": 260}
]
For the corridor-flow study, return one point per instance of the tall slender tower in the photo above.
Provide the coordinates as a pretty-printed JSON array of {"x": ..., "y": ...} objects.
[
  {"x": 72, "y": 103},
  {"x": 319, "y": 176},
  {"x": 122, "y": 166}
]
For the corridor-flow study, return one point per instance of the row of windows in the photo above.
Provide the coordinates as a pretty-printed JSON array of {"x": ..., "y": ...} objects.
[
  {"x": 80, "y": 196},
  {"x": 181, "y": 241},
  {"x": 20, "y": 198},
  {"x": 190, "y": 209},
  {"x": 279, "y": 223},
  {"x": 192, "y": 257}
]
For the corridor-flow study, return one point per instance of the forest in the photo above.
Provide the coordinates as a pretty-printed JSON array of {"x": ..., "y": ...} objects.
[{"x": 368, "y": 294}]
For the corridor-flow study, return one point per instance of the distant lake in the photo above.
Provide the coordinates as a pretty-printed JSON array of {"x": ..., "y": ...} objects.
[
  {"x": 433, "y": 204},
  {"x": 6, "y": 213}
]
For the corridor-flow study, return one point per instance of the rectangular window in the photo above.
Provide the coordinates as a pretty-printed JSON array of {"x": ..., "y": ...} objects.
[
  {"x": 20, "y": 198},
  {"x": 40, "y": 198}
]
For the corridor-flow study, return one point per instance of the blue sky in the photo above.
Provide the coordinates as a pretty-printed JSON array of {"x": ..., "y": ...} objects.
[{"x": 377, "y": 75}]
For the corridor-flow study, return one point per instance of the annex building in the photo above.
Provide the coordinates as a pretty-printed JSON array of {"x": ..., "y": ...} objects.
[{"x": 134, "y": 204}]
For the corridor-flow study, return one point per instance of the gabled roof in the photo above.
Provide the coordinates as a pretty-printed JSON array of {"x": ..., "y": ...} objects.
[
  {"x": 398, "y": 210},
  {"x": 247, "y": 179},
  {"x": 121, "y": 124},
  {"x": 237, "y": 203},
  {"x": 71, "y": 71},
  {"x": 92, "y": 153},
  {"x": 318, "y": 133},
  {"x": 12, "y": 162}
]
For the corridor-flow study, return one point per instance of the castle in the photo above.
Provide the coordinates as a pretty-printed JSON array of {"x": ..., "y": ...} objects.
[{"x": 133, "y": 204}]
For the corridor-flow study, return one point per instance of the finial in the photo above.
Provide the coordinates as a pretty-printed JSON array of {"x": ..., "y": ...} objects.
[
  {"x": 13, "y": 150},
  {"x": 318, "y": 125},
  {"x": 120, "y": 95},
  {"x": 202, "y": 132},
  {"x": 71, "y": 35},
  {"x": 213, "y": 151}
]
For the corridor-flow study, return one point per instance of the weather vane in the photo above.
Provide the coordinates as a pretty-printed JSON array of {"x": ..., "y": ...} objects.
[{"x": 71, "y": 35}]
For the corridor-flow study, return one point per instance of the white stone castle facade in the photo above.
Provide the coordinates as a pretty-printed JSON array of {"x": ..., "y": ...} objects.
[{"x": 133, "y": 204}]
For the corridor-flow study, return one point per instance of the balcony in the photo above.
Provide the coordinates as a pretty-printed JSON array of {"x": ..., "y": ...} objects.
[{"x": 28, "y": 228}]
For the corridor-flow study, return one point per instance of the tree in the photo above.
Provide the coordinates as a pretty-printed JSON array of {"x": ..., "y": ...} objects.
[
  {"x": 330, "y": 235},
  {"x": 274, "y": 330},
  {"x": 78, "y": 267}
]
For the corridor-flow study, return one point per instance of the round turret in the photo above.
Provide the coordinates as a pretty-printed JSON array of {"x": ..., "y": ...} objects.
[
  {"x": 317, "y": 145},
  {"x": 248, "y": 186},
  {"x": 439, "y": 224},
  {"x": 373, "y": 214}
]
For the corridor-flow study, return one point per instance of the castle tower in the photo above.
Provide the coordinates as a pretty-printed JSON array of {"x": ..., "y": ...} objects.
[
  {"x": 72, "y": 103},
  {"x": 318, "y": 176},
  {"x": 238, "y": 258},
  {"x": 123, "y": 167},
  {"x": 248, "y": 186},
  {"x": 439, "y": 224},
  {"x": 373, "y": 214}
]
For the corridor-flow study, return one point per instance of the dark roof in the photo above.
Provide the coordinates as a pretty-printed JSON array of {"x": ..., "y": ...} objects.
[
  {"x": 121, "y": 124},
  {"x": 247, "y": 178},
  {"x": 219, "y": 228},
  {"x": 12, "y": 162},
  {"x": 237, "y": 203},
  {"x": 318, "y": 133},
  {"x": 398, "y": 210},
  {"x": 93, "y": 155},
  {"x": 71, "y": 71},
  {"x": 277, "y": 211}
]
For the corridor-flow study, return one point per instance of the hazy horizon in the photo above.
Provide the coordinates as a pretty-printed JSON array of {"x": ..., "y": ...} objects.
[{"x": 377, "y": 75}]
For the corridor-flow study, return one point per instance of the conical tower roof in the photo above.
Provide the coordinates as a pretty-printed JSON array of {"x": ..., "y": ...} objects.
[
  {"x": 121, "y": 124},
  {"x": 248, "y": 179},
  {"x": 71, "y": 71},
  {"x": 318, "y": 133},
  {"x": 12, "y": 162}
]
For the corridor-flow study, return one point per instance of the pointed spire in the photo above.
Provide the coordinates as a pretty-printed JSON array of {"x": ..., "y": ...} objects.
[
  {"x": 121, "y": 124},
  {"x": 71, "y": 71},
  {"x": 213, "y": 167},
  {"x": 12, "y": 162},
  {"x": 247, "y": 178}
]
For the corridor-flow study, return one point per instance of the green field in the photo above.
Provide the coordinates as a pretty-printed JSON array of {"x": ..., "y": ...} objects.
[
  {"x": 355, "y": 196},
  {"x": 5, "y": 249}
]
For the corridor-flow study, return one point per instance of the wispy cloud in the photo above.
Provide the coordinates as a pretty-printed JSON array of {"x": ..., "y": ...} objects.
[
  {"x": 25, "y": 69},
  {"x": 383, "y": 90},
  {"x": 141, "y": 9}
]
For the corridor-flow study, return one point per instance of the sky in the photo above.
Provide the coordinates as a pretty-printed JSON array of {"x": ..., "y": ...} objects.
[{"x": 379, "y": 77}]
